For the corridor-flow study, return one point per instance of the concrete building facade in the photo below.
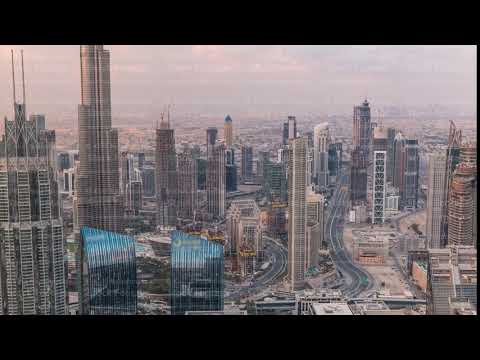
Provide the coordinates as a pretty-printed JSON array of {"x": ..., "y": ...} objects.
[
  {"x": 321, "y": 142},
  {"x": 297, "y": 211},
  {"x": 100, "y": 204},
  {"x": 32, "y": 248},
  {"x": 435, "y": 194}
]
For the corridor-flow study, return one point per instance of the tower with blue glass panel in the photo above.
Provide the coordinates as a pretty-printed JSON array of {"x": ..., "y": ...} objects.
[
  {"x": 108, "y": 279},
  {"x": 197, "y": 271}
]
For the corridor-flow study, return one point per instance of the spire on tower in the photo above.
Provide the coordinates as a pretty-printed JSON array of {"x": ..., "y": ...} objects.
[
  {"x": 23, "y": 79},
  {"x": 13, "y": 80}
]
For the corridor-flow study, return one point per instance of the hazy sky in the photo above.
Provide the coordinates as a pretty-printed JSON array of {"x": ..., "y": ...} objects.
[{"x": 320, "y": 75}]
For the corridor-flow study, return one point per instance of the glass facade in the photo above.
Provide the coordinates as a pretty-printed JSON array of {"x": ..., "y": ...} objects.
[
  {"x": 197, "y": 271},
  {"x": 109, "y": 273}
]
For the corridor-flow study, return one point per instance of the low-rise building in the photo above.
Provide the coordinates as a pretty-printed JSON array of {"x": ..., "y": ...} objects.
[
  {"x": 392, "y": 201},
  {"x": 419, "y": 274},
  {"x": 224, "y": 312},
  {"x": 360, "y": 214},
  {"x": 306, "y": 298},
  {"x": 452, "y": 273},
  {"x": 340, "y": 308},
  {"x": 375, "y": 307},
  {"x": 370, "y": 248},
  {"x": 459, "y": 306}
]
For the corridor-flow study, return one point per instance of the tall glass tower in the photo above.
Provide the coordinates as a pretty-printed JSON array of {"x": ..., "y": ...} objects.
[
  {"x": 166, "y": 174},
  {"x": 108, "y": 273},
  {"x": 100, "y": 204},
  {"x": 32, "y": 252},
  {"x": 197, "y": 271}
]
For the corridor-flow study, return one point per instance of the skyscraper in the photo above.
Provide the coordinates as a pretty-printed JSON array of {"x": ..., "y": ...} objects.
[
  {"x": 460, "y": 205},
  {"x": 315, "y": 228},
  {"x": 361, "y": 126},
  {"x": 166, "y": 174},
  {"x": 275, "y": 185},
  {"x": 39, "y": 120},
  {"x": 285, "y": 133},
  {"x": 141, "y": 160},
  {"x": 320, "y": 156},
  {"x": 197, "y": 272},
  {"x": 135, "y": 197},
  {"x": 247, "y": 163},
  {"x": 406, "y": 171},
  {"x": 358, "y": 177},
  {"x": 187, "y": 185},
  {"x": 391, "y": 132},
  {"x": 215, "y": 181},
  {"x": 127, "y": 173},
  {"x": 435, "y": 186},
  {"x": 335, "y": 155},
  {"x": 379, "y": 185},
  {"x": 212, "y": 134},
  {"x": 32, "y": 252},
  {"x": 131, "y": 185},
  {"x": 228, "y": 131},
  {"x": 292, "y": 127},
  {"x": 297, "y": 211},
  {"x": 100, "y": 204},
  {"x": 148, "y": 180},
  {"x": 452, "y": 159},
  {"x": 263, "y": 160},
  {"x": 289, "y": 129},
  {"x": 230, "y": 170},
  {"x": 108, "y": 273},
  {"x": 468, "y": 155}
]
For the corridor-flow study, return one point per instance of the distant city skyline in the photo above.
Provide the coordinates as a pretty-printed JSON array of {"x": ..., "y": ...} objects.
[{"x": 325, "y": 77}]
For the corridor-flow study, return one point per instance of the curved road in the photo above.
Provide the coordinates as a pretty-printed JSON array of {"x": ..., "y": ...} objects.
[
  {"x": 357, "y": 279},
  {"x": 278, "y": 258}
]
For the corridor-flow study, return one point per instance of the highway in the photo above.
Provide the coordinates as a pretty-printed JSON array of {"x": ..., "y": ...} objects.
[
  {"x": 278, "y": 257},
  {"x": 357, "y": 280}
]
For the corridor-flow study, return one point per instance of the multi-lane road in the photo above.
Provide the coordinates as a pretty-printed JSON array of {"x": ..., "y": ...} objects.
[
  {"x": 357, "y": 280},
  {"x": 277, "y": 256}
]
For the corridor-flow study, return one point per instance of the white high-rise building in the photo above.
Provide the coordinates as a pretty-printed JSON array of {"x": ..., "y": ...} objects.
[
  {"x": 435, "y": 194},
  {"x": 315, "y": 227},
  {"x": 379, "y": 186},
  {"x": 321, "y": 140},
  {"x": 297, "y": 211},
  {"x": 215, "y": 181},
  {"x": 32, "y": 251}
]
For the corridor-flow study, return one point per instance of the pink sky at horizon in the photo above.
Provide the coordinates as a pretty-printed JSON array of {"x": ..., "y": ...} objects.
[{"x": 320, "y": 75}]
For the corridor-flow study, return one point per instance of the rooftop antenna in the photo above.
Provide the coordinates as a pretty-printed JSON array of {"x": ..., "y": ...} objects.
[
  {"x": 13, "y": 80},
  {"x": 23, "y": 79},
  {"x": 162, "y": 115},
  {"x": 168, "y": 116}
]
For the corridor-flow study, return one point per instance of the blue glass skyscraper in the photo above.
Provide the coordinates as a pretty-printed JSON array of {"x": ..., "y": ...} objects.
[
  {"x": 108, "y": 279},
  {"x": 197, "y": 270}
]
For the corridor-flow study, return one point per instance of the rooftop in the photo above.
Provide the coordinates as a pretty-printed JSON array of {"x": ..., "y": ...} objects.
[{"x": 331, "y": 309}]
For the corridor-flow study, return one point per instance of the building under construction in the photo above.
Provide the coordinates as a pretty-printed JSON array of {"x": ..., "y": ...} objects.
[
  {"x": 461, "y": 205},
  {"x": 452, "y": 159}
]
